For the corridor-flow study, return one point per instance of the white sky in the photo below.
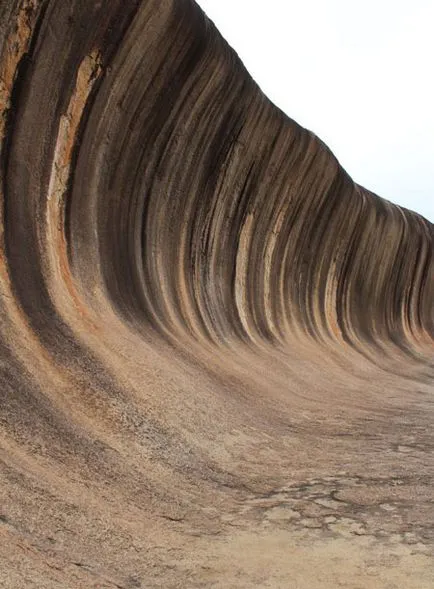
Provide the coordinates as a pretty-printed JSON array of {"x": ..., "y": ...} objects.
[{"x": 358, "y": 73}]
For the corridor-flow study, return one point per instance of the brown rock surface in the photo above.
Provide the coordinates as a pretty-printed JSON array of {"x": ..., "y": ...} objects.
[{"x": 216, "y": 350}]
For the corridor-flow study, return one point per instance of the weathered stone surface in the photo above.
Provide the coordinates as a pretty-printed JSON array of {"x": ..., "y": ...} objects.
[{"x": 216, "y": 350}]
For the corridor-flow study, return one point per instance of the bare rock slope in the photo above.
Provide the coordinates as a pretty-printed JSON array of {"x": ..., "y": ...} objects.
[{"x": 216, "y": 350}]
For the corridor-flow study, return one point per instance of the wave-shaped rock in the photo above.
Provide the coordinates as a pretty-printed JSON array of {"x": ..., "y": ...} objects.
[{"x": 215, "y": 346}]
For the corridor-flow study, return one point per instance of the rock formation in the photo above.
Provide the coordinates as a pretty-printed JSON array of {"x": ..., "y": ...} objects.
[{"x": 216, "y": 349}]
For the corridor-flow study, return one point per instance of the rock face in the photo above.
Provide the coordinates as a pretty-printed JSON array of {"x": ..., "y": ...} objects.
[{"x": 216, "y": 353}]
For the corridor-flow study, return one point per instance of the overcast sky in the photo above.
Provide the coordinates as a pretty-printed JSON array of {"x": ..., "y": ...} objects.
[{"x": 359, "y": 73}]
